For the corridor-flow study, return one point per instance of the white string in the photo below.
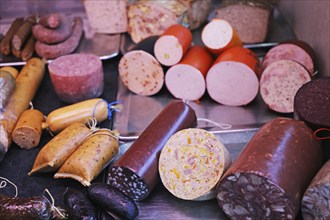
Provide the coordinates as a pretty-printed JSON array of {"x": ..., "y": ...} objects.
[
  {"x": 4, "y": 182},
  {"x": 53, "y": 207},
  {"x": 91, "y": 123},
  {"x": 219, "y": 125},
  {"x": 31, "y": 105}
]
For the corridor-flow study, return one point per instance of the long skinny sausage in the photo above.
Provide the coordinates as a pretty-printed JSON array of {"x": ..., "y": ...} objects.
[
  {"x": 27, "y": 84},
  {"x": 68, "y": 46},
  {"x": 136, "y": 172}
]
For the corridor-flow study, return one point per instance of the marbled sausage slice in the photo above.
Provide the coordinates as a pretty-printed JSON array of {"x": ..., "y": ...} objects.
[
  {"x": 316, "y": 201},
  {"x": 141, "y": 73},
  {"x": 192, "y": 163},
  {"x": 270, "y": 175},
  {"x": 136, "y": 172},
  {"x": 280, "y": 82},
  {"x": 289, "y": 51}
]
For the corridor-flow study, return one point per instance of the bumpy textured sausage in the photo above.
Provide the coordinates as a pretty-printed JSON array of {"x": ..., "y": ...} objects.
[
  {"x": 136, "y": 172},
  {"x": 78, "y": 205},
  {"x": 33, "y": 208},
  {"x": 52, "y": 20},
  {"x": 270, "y": 175},
  {"x": 66, "y": 47},
  {"x": 53, "y": 36}
]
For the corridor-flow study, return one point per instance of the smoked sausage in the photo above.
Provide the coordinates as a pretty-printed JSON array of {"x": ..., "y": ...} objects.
[{"x": 136, "y": 172}]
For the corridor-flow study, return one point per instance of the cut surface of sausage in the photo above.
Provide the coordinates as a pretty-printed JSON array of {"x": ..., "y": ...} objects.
[
  {"x": 185, "y": 82},
  {"x": 217, "y": 34},
  {"x": 288, "y": 52},
  {"x": 168, "y": 50},
  {"x": 280, "y": 82},
  {"x": 232, "y": 83},
  {"x": 192, "y": 163},
  {"x": 77, "y": 77},
  {"x": 141, "y": 73},
  {"x": 270, "y": 175}
]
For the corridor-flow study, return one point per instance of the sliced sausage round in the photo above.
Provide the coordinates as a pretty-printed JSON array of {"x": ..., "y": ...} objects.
[{"x": 280, "y": 82}]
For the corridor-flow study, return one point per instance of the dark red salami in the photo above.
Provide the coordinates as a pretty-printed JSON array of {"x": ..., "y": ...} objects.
[
  {"x": 136, "y": 172},
  {"x": 269, "y": 177},
  {"x": 77, "y": 77}
]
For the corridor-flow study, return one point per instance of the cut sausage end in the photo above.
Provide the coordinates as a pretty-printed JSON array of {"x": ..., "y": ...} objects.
[
  {"x": 168, "y": 50},
  {"x": 251, "y": 196},
  {"x": 280, "y": 82},
  {"x": 217, "y": 34},
  {"x": 128, "y": 182},
  {"x": 191, "y": 164},
  {"x": 185, "y": 82},
  {"x": 232, "y": 83},
  {"x": 141, "y": 73}
]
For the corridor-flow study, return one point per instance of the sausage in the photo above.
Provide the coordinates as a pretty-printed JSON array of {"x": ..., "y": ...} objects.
[
  {"x": 61, "y": 118},
  {"x": 12, "y": 70},
  {"x": 192, "y": 163},
  {"x": 28, "y": 49},
  {"x": 140, "y": 71},
  {"x": 136, "y": 172},
  {"x": 112, "y": 200},
  {"x": 270, "y": 175},
  {"x": 68, "y": 46},
  {"x": 27, "y": 84},
  {"x": 218, "y": 35},
  {"x": 186, "y": 80},
  {"x": 28, "y": 129},
  {"x": 78, "y": 205},
  {"x": 6, "y": 41},
  {"x": 173, "y": 45},
  {"x": 311, "y": 103},
  {"x": 280, "y": 82},
  {"x": 232, "y": 80},
  {"x": 108, "y": 17},
  {"x": 92, "y": 156},
  {"x": 54, "y": 36},
  {"x": 77, "y": 77},
  {"x": 249, "y": 18},
  {"x": 7, "y": 84},
  {"x": 149, "y": 18},
  {"x": 315, "y": 202},
  {"x": 22, "y": 34},
  {"x": 58, "y": 150},
  {"x": 52, "y": 20},
  {"x": 297, "y": 50},
  {"x": 32, "y": 208}
]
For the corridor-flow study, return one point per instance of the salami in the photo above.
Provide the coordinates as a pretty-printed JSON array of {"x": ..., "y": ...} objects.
[
  {"x": 186, "y": 80},
  {"x": 140, "y": 71},
  {"x": 51, "y": 51},
  {"x": 192, "y": 163},
  {"x": 54, "y": 36},
  {"x": 136, "y": 172},
  {"x": 218, "y": 35},
  {"x": 232, "y": 80},
  {"x": 173, "y": 44},
  {"x": 280, "y": 82},
  {"x": 315, "y": 202},
  {"x": 297, "y": 50},
  {"x": 270, "y": 175},
  {"x": 77, "y": 77}
]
